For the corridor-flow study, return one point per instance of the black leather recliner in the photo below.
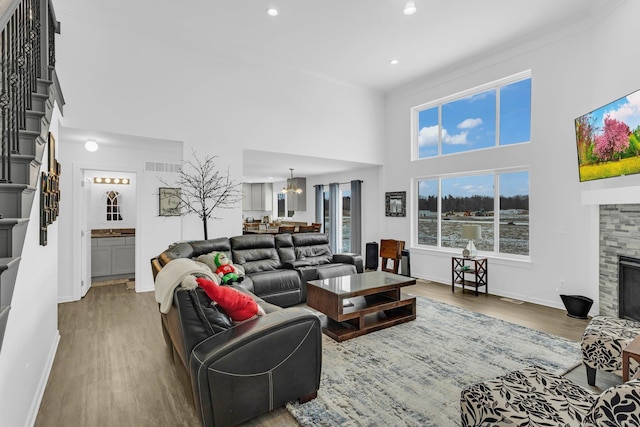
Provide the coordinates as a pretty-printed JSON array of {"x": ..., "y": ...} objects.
[{"x": 238, "y": 372}]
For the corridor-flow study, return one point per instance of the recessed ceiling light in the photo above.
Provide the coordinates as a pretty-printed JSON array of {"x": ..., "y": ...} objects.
[
  {"x": 410, "y": 8},
  {"x": 272, "y": 11},
  {"x": 393, "y": 61}
]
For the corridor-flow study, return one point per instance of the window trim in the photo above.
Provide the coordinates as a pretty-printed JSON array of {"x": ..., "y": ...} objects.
[{"x": 415, "y": 112}]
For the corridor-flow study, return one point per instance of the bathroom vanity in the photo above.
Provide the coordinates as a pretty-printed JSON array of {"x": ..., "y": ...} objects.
[{"x": 113, "y": 253}]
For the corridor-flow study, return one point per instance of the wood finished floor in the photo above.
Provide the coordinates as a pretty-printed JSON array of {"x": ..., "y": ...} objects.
[{"x": 112, "y": 367}]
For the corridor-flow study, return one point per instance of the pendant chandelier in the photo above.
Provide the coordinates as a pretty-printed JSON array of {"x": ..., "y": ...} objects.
[{"x": 291, "y": 188}]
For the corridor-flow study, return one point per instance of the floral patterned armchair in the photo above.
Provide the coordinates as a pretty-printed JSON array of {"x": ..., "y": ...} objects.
[
  {"x": 534, "y": 397},
  {"x": 602, "y": 343}
]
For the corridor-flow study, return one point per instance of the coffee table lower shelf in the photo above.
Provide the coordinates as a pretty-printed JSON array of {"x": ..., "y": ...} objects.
[{"x": 363, "y": 318}]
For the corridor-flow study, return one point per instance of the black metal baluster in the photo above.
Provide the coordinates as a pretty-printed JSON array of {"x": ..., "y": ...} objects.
[
  {"x": 22, "y": 63},
  {"x": 4, "y": 107},
  {"x": 52, "y": 45}
]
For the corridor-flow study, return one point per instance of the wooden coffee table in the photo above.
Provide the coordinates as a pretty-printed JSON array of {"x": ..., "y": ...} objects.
[
  {"x": 361, "y": 303},
  {"x": 632, "y": 350}
]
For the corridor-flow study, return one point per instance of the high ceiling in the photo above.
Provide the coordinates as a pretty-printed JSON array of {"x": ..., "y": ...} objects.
[{"x": 348, "y": 41}]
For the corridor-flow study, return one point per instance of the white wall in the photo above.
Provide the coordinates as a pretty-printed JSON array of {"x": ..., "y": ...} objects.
[
  {"x": 31, "y": 337},
  {"x": 567, "y": 75},
  {"x": 130, "y": 83}
]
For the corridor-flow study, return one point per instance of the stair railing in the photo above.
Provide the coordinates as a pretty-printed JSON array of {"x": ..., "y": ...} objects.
[{"x": 26, "y": 50}]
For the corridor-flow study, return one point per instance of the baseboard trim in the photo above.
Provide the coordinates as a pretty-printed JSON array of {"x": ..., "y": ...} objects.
[{"x": 37, "y": 401}]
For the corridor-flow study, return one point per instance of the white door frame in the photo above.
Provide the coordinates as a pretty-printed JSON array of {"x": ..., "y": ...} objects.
[{"x": 77, "y": 227}]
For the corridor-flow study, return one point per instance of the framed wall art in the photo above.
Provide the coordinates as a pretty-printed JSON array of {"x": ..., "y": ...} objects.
[
  {"x": 53, "y": 167},
  {"x": 49, "y": 192},
  {"x": 395, "y": 203},
  {"x": 169, "y": 201}
]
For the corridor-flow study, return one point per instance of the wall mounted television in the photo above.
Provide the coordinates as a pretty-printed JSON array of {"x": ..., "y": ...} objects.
[{"x": 608, "y": 139}]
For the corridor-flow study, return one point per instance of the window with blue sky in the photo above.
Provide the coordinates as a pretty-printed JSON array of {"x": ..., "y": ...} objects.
[
  {"x": 497, "y": 201},
  {"x": 495, "y": 116},
  {"x": 492, "y": 116}
]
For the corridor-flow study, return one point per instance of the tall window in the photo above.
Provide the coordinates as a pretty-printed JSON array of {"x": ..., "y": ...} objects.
[
  {"x": 327, "y": 211},
  {"x": 467, "y": 200},
  {"x": 345, "y": 217},
  {"x": 514, "y": 213},
  {"x": 281, "y": 205},
  {"x": 497, "y": 114},
  {"x": 113, "y": 206},
  {"x": 498, "y": 202},
  {"x": 494, "y": 115},
  {"x": 343, "y": 214}
]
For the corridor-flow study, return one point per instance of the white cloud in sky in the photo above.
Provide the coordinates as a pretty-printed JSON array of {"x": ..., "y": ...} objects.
[
  {"x": 478, "y": 189},
  {"x": 455, "y": 139},
  {"x": 469, "y": 123},
  {"x": 428, "y": 136},
  {"x": 480, "y": 96},
  {"x": 628, "y": 112}
]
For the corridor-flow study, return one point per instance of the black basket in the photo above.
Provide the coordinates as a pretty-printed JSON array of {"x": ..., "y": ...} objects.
[{"x": 577, "y": 306}]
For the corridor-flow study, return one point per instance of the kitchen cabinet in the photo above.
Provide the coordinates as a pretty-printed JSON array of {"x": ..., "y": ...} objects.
[
  {"x": 257, "y": 196},
  {"x": 112, "y": 256}
]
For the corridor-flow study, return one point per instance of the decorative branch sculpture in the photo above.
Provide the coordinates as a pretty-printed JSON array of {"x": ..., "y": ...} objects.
[{"x": 203, "y": 189}]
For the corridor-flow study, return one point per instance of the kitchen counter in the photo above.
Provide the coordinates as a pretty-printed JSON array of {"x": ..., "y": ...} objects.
[{"x": 113, "y": 232}]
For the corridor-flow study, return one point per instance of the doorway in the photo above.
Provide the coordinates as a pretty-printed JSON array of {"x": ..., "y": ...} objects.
[{"x": 108, "y": 228}]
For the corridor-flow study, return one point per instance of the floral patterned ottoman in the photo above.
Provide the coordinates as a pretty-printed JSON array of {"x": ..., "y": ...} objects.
[
  {"x": 602, "y": 343},
  {"x": 534, "y": 397}
]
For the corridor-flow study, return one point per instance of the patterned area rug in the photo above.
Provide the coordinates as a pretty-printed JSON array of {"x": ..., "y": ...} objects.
[{"x": 412, "y": 374}]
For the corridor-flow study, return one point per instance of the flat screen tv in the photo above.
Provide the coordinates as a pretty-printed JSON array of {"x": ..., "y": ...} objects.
[{"x": 608, "y": 139}]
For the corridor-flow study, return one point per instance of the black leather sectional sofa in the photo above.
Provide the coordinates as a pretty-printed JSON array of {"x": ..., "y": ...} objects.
[{"x": 237, "y": 372}]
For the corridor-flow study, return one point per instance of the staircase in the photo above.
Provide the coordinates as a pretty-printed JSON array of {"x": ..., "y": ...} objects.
[{"x": 28, "y": 90}]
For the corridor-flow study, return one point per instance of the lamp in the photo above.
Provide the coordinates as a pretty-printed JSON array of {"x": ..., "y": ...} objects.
[
  {"x": 471, "y": 232},
  {"x": 410, "y": 7},
  {"x": 290, "y": 188}
]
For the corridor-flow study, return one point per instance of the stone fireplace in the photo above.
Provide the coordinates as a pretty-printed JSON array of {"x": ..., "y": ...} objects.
[
  {"x": 629, "y": 288},
  {"x": 619, "y": 237}
]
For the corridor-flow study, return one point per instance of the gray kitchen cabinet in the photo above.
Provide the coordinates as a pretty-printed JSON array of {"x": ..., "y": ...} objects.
[
  {"x": 112, "y": 256},
  {"x": 100, "y": 261},
  {"x": 246, "y": 199},
  {"x": 257, "y": 197}
]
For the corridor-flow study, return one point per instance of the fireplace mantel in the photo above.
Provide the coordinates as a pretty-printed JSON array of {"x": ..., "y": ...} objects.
[{"x": 611, "y": 196}]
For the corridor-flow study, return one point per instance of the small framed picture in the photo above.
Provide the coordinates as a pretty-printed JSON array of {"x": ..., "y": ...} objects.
[
  {"x": 396, "y": 203},
  {"x": 53, "y": 164},
  {"x": 169, "y": 201}
]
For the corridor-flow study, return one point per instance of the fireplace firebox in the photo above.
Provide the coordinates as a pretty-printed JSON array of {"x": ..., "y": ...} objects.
[{"x": 629, "y": 288}]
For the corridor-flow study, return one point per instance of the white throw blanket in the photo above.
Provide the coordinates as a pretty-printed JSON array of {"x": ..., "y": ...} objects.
[{"x": 171, "y": 276}]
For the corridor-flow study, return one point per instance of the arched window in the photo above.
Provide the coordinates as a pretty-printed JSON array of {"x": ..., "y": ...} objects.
[{"x": 113, "y": 206}]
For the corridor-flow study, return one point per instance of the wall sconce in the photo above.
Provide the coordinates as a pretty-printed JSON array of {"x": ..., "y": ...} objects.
[
  {"x": 471, "y": 232},
  {"x": 98, "y": 180},
  {"x": 91, "y": 146}
]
